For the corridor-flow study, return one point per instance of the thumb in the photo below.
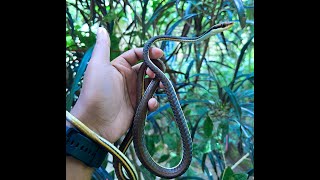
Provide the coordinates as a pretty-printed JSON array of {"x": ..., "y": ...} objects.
[{"x": 101, "y": 51}]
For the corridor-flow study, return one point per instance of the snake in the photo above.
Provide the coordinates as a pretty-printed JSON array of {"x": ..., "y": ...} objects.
[{"x": 135, "y": 133}]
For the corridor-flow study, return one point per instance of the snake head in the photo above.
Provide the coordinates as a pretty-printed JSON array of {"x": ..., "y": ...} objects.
[
  {"x": 219, "y": 28},
  {"x": 225, "y": 25}
]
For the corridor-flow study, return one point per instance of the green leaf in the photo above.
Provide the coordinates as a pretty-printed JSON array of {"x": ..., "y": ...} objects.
[
  {"x": 191, "y": 172},
  {"x": 213, "y": 162},
  {"x": 208, "y": 127},
  {"x": 240, "y": 176},
  {"x": 187, "y": 112},
  {"x": 202, "y": 147},
  {"x": 241, "y": 13},
  {"x": 171, "y": 141},
  {"x": 146, "y": 174},
  {"x": 174, "y": 161},
  {"x": 159, "y": 11},
  {"x": 109, "y": 17},
  {"x": 224, "y": 128},
  {"x": 164, "y": 158},
  {"x": 87, "y": 40},
  {"x": 188, "y": 69},
  {"x": 182, "y": 102},
  {"x": 81, "y": 69},
  {"x": 69, "y": 41},
  {"x": 247, "y": 111},
  {"x": 239, "y": 60},
  {"x": 250, "y": 172},
  {"x": 234, "y": 102},
  {"x": 204, "y": 167},
  {"x": 227, "y": 174},
  {"x": 156, "y": 138},
  {"x": 150, "y": 145},
  {"x": 207, "y": 147},
  {"x": 203, "y": 162},
  {"x": 154, "y": 4}
]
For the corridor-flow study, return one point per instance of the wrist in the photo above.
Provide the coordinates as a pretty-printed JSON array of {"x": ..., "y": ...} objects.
[
  {"x": 75, "y": 169},
  {"x": 82, "y": 114},
  {"x": 87, "y": 116},
  {"x": 83, "y": 148}
]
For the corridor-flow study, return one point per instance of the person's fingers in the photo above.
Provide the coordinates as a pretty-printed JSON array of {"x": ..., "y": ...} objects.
[
  {"x": 153, "y": 104},
  {"x": 161, "y": 85},
  {"x": 134, "y": 55},
  {"x": 124, "y": 63},
  {"x": 101, "y": 51},
  {"x": 136, "y": 67},
  {"x": 150, "y": 73}
]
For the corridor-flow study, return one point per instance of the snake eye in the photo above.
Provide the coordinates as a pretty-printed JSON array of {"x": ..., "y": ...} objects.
[{"x": 227, "y": 24}]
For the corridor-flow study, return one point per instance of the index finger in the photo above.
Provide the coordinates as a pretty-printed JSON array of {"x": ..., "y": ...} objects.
[{"x": 134, "y": 55}]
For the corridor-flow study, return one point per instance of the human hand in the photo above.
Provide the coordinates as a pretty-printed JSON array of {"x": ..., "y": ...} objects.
[{"x": 108, "y": 96}]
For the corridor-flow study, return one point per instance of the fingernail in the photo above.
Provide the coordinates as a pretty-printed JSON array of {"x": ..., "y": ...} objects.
[{"x": 101, "y": 32}]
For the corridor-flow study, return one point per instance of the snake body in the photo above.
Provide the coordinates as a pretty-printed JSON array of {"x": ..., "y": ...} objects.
[{"x": 136, "y": 131}]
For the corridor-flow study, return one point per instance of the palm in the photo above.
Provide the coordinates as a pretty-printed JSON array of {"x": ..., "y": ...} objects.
[{"x": 111, "y": 101}]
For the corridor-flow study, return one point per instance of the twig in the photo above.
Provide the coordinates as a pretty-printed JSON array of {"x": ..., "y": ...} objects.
[{"x": 240, "y": 160}]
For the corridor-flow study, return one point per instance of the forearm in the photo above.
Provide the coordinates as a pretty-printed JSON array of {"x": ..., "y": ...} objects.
[{"x": 75, "y": 169}]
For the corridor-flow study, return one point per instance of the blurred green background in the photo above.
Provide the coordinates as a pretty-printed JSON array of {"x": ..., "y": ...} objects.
[{"x": 214, "y": 79}]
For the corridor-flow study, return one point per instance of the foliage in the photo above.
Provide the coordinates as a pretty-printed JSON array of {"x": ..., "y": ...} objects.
[{"x": 214, "y": 79}]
